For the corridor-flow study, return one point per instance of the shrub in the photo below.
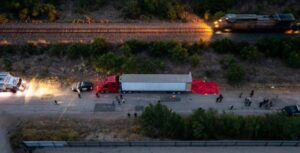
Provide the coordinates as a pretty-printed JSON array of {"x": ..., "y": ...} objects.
[
  {"x": 159, "y": 121},
  {"x": 293, "y": 60},
  {"x": 178, "y": 52},
  {"x": 160, "y": 49},
  {"x": 32, "y": 9},
  {"x": 132, "y": 9},
  {"x": 212, "y": 6},
  {"x": 57, "y": 50},
  {"x": 7, "y": 64},
  {"x": 250, "y": 53},
  {"x": 224, "y": 46},
  {"x": 195, "y": 60},
  {"x": 269, "y": 46},
  {"x": 164, "y": 9},
  {"x": 108, "y": 63},
  {"x": 235, "y": 73},
  {"x": 150, "y": 66},
  {"x": 89, "y": 5},
  {"x": 134, "y": 46},
  {"x": 197, "y": 47},
  {"x": 99, "y": 46},
  {"x": 76, "y": 51}
]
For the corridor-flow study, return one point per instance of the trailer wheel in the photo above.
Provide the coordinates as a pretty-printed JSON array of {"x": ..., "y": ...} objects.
[{"x": 13, "y": 91}]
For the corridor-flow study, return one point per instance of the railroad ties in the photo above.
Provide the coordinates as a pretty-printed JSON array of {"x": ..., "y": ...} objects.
[{"x": 104, "y": 30}]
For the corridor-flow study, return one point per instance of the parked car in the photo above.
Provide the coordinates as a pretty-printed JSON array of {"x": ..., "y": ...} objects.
[
  {"x": 82, "y": 86},
  {"x": 292, "y": 110}
]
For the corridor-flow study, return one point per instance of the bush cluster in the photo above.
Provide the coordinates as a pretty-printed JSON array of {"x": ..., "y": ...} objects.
[
  {"x": 286, "y": 49},
  {"x": 89, "y": 5},
  {"x": 159, "y": 121},
  {"x": 165, "y": 9},
  {"x": 212, "y": 8},
  {"x": 131, "y": 57},
  {"x": 31, "y": 9}
]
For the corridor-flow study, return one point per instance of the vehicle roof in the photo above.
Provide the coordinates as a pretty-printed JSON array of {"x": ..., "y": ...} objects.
[
  {"x": 3, "y": 76},
  {"x": 292, "y": 109},
  {"x": 170, "y": 78},
  {"x": 86, "y": 83},
  {"x": 276, "y": 16},
  {"x": 284, "y": 17},
  {"x": 111, "y": 78}
]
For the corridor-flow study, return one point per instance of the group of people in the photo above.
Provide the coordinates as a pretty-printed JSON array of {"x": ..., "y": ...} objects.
[
  {"x": 248, "y": 101},
  {"x": 120, "y": 99},
  {"x": 134, "y": 114},
  {"x": 266, "y": 103}
]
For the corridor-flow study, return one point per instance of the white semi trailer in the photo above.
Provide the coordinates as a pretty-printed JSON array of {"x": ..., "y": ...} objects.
[{"x": 156, "y": 82}]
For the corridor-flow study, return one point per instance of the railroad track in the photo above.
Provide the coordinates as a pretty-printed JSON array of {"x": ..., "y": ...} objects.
[{"x": 105, "y": 30}]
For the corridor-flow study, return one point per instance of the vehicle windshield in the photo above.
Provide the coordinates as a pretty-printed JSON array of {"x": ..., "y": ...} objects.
[{"x": 85, "y": 83}]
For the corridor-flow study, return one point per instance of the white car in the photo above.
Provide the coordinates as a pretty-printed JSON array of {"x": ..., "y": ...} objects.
[{"x": 11, "y": 83}]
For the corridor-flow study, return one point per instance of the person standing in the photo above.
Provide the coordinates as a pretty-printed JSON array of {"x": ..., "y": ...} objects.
[
  {"x": 217, "y": 100},
  {"x": 221, "y": 98},
  {"x": 252, "y": 93}
]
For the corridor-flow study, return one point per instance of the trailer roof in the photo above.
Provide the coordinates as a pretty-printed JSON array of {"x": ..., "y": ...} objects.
[{"x": 157, "y": 78}]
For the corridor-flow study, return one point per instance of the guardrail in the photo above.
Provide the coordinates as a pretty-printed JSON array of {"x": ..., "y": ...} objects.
[{"x": 254, "y": 143}]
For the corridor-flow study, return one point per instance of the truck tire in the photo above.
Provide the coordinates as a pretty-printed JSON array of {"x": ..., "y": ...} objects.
[{"x": 14, "y": 91}]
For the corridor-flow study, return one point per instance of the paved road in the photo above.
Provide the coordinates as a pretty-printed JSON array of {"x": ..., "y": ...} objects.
[
  {"x": 71, "y": 104},
  {"x": 173, "y": 150},
  {"x": 4, "y": 143},
  {"x": 12, "y": 106}
]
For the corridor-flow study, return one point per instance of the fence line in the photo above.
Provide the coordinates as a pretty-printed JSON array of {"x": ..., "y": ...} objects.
[{"x": 249, "y": 143}]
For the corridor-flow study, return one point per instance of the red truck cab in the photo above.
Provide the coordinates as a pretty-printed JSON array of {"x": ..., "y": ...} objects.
[{"x": 109, "y": 85}]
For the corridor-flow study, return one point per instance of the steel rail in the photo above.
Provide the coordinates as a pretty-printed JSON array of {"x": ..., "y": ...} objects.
[{"x": 104, "y": 30}]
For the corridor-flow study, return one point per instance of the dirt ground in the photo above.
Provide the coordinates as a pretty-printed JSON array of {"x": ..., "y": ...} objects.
[
  {"x": 267, "y": 72},
  {"x": 88, "y": 129}
]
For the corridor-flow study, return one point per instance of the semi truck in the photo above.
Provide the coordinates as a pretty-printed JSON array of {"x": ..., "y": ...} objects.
[
  {"x": 11, "y": 83},
  {"x": 254, "y": 22},
  {"x": 125, "y": 83}
]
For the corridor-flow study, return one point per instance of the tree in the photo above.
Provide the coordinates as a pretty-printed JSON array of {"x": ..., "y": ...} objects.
[{"x": 224, "y": 46}]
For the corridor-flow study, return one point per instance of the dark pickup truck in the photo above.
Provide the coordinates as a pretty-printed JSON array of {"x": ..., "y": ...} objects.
[{"x": 292, "y": 110}]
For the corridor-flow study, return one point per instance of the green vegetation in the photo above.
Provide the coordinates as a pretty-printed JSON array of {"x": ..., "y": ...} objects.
[
  {"x": 211, "y": 8},
  {"x": 287, "y": 49},
  {"x": 159, "y": 121},
  {"x": 43, "y": 130},
  {"x": 152, "y": 57},
  {"x": 164, "y": 9},
  {"x": 131, "y": 57},
  {"x": 235, "y": 73},
  {"x": 89, "y": 5},
  {"x": 30, "y": 9}
]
